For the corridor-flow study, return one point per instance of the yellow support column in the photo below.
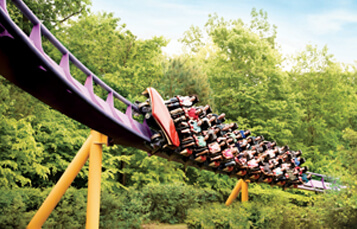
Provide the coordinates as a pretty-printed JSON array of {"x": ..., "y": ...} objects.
[
  {"x": 235, "y": 192},
  {"x": 94, "y": 179},
  {"x": 62, "y": 185},
  {"x": 244, "y": 191}
]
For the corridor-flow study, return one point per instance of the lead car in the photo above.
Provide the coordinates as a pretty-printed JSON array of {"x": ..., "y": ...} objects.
[{"x": 158, "y": 117}]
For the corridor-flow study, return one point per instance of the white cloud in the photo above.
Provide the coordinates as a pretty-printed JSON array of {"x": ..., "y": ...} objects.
[
  {"x": 173, "y": 48},
  {"x": 330, "y": 22}
]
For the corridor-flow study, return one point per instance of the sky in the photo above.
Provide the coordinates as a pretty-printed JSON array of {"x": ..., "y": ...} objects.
[{"x": 299, "y": 22}]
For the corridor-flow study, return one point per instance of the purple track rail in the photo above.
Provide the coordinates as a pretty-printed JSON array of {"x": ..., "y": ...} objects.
[
  {"x": 23, "y": 62},
  {"x": 320, "y": 185}
]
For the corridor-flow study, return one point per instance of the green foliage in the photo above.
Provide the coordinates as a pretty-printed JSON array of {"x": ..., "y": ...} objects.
[
  {"x": 20, "y": 156},
  {"x": 18, "y": 206},
  {"x": 126, "y": 209},
  {"x": 193, "y": 38},
  {"x": 339, "y": 209},
  {"x": 16, "y": 103},
  {"x": 267, "y": 208},
  {"x": 170, "y": 203},
  {"x": 123, "y": 210},
  {"x": 207, "y": 179},
  {"x": 114, "y": 159},
  {"x": 244, "y": 75},
  {"x": 325, "y": 96},
  {"x": 51, "y": 13},
  {"x": 143, "y": 170},
  {"x": 183, "y": 77},
  {"x": 266, "y": 195},
  {"x": 348, "y": 153},
  {"x": 260, "y": 25},
  {"x": 14, "y": 207},
  {"x": 70, "y": 211},
  {"x": 246, "y": 215},
  {"x": 36, "y": 150},
  {"x": 112, "y": 52}
]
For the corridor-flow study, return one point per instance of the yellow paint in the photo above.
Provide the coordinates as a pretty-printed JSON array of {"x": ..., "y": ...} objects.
[
  {"x": 234, "y": 193},
  {"x": 91, "y": 149},
  {"x": 62, "y": 185},
  {"x": 240, "y": 186},
  {"x": 244, "y": 191},
  {"x": 94, "y": 179}
]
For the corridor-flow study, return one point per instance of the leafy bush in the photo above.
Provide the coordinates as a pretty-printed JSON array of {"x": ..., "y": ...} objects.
[
  {"x": 240, "y": 215},
  {"x": 12, "y": 210},
  {"x": 70, "y": 211},
  {"x": 198, "y": 208},
  {"x": 339, "y": 209},
  {"x": 301, "y": 217},
  {"x": 267, "y": 208},
  {"x": 163, "y": 203},
  {"x": 170, "y": 203},
  {"x": 123, "y": 210},
  {"x": 18, "y": 206},
  {"x": 263, "y": 193}
]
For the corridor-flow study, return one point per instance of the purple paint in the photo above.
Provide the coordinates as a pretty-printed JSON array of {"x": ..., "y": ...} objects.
[
  {"x": 110, "y": 102},
  {"x": 4, "y": 32},
  {"x": 64, "y": 64},
  {"x": 42, "y": 68},
  {"x": 131, "y": 120},
  {"x": 323, "y": 183},
  {"x": 89, "y": 85},
  {"x": 35, "y": 37},
  {"x": 147, "y": 128},
  {"x": 311, "y": 183},
  {"x": 3, "y": 5}
]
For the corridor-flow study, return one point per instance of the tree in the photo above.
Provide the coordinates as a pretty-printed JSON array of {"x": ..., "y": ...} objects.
[
  {"x": 183, "y": 77},
  {"x": 244, "y": 73},
  {"x": 327, "y": 98},
  {"x": 52, "y": 13},
  {"x": 112, "y": 52}
]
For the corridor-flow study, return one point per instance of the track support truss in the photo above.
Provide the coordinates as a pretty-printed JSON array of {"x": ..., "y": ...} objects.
[
  {"x": 240, "y": 186},
  {"x": 92, "y": 149}
]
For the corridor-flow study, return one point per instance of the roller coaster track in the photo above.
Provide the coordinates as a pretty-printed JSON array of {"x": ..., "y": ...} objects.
[{"x": 24, "y": 63}]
